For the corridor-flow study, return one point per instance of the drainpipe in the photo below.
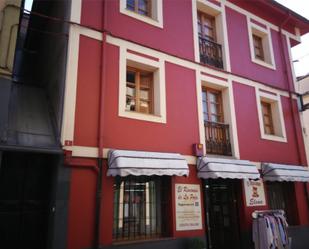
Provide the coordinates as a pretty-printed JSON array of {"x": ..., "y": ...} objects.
[
  {"x": 97, "y": 231},
  {"x": 289, "y": 83}
]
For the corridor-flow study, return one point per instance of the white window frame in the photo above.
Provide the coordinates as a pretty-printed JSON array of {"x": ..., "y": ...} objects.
[
  {"x": 159, "y": 98},
  {"x": 265, "y": 34},
  {"x": 156, "y": 18},
  {"x": 218, "y": 12},
  {"x": 229, "y": 113},
  {"x": 277, "y": 116}
]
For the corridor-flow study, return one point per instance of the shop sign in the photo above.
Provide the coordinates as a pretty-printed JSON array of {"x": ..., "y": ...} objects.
[
  {"x": 188, "y": 207},
  {"x": 255, "y": 195}
]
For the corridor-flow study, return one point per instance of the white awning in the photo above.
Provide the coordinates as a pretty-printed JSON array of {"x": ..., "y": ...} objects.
[
  {"x": 226, "y": 168},
  {"x": 283, "y": 172},
  {"x": 126, "y": 162}
]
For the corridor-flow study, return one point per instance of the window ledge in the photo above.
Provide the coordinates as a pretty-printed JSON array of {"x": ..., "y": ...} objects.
[
  {"x": 263, "y": 63},
  {"x": 274, "y": 138},
  {"x": 146, "y": 19},
  {"x": 143, "y": 116}
]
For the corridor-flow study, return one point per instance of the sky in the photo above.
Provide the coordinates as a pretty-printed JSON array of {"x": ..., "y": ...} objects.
[
  {"x": 299, "y": 52},
  {"x": 28, "y": 4}
]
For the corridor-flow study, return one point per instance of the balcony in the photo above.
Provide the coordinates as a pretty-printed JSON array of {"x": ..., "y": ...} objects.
[
  {"x": 210, "y": 53},
  {"x": 217, "y": 138}
]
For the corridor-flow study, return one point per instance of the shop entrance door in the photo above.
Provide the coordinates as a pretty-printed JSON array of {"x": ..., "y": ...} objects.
[
  {"x": 25, "y": 191},
  {"x": 222, "y": 213}
]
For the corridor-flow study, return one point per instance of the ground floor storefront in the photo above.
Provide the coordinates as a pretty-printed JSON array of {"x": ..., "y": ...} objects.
[
  {"x": 33, "y": 200},
  {"x": 161, "y": 201}
]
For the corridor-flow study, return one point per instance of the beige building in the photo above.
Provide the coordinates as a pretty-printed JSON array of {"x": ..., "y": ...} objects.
[
  {"x": 303, "y": 88},
  {"x": 9, "y": 20}
]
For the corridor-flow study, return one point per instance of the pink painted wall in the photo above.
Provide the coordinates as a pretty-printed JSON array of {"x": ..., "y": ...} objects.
[
  {"x": 81, "y": 209},
  {"x": 177, "y": 135},
  {"x": 251, "y": 145},
  {"x": 257, "y": 8},
  {"x": 240, "y": 53},
  {"x": 92, "y": 13},
  {"x": 176, "y": 37},
  {"x": 87, "y": 97},
  {"x": 181, "y": 129}
]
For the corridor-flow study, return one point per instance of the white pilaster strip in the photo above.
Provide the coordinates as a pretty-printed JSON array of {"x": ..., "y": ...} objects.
[{"x": 70, "y": 86}]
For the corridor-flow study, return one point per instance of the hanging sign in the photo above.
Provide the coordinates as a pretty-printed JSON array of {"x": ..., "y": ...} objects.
[
  {"x": 255, "y": 195},
  {"x": 188, "y": 207}
]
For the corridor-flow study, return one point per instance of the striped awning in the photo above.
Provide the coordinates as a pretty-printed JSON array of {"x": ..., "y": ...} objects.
[
  {"x": 284, "y": 172},
  {"x": 226, "y": 168},
  {"x": 126, "y": 162}
]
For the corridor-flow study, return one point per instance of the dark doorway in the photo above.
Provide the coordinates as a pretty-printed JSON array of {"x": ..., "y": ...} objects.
[
  {"x": 281, "y": 195},
  {"x": 222, "y": 213},
  {"x": 25, "y": 193}
]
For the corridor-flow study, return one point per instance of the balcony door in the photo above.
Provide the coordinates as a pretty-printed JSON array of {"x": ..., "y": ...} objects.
[
  {"x": 206, "y": 26},
  {"x": 217, "y": 137},
  {"x": 212, "y": 105},
  {"x": 210, "y": 51}
]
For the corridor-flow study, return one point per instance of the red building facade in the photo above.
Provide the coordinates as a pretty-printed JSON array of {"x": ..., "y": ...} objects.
[{"x": 156, "y": 76}]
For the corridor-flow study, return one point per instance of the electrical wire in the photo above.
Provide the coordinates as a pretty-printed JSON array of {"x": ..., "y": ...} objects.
[{"x": 56, "y": 19}]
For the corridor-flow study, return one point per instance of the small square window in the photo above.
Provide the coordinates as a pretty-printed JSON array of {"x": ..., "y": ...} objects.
[
  {"x": 258, "y": 47},
  {"x": 139, "y": 94},
  {"x": 261, "y": 45},
  {"x": 142, "y": 7},
  {"x": 141, "y": 88},
  {"x": 270, "y": 114},
  {"x": 148, "y": 11}
]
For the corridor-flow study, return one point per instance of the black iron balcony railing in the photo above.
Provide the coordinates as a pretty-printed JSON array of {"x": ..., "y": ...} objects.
[
  {"x": 217, "y": 138},
  {"x": 210, "y": 53}
]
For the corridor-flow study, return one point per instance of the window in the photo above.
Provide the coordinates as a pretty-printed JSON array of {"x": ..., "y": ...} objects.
[
  {"x": 139, "y": 95},
  {"x": 210, "y": 34},
  {"x": 282, "y": 196},
  {"x": 258, "y": 47},
  {"x": 261, "y": 45},
  {"x": 212, "y": 105},
  {"x": 148, "y": 11},
  {"x": 140, "y": 207},
  {"x": 210, "y": 51},
  {"x": 141, "y": 87},
  {"x": 267, "y": 118},
  {"x": 270, "y": 115},
  {"x": 206, "y": 26},
  {"x": 217, "y": 136},
  {"x": 142, "y": 7}
]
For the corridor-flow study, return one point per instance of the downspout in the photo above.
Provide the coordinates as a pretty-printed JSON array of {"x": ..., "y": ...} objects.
[
  {"x": 97, "y": 230},
  {"x": 289, "y": 82}
]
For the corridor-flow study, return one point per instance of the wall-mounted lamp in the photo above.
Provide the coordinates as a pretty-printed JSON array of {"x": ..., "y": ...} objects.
[{"x": 198, "y": 149}]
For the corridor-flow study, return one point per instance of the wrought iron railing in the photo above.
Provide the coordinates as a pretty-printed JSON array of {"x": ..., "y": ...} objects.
[
  {"x": 210, "y": 53},
  {"x": 217, "y": 138}
]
